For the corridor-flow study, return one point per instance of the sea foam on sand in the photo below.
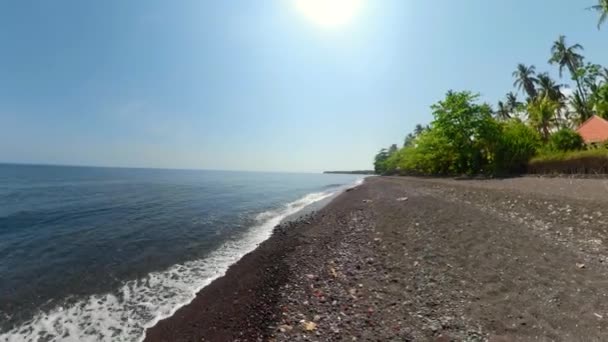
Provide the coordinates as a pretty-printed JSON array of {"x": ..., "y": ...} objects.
[{"x": 140, "y": 304}]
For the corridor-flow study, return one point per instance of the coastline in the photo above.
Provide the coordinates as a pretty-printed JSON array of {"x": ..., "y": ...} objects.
[
  {"x": 400, "y": 258},
  {"x": 239, "y": 305}
]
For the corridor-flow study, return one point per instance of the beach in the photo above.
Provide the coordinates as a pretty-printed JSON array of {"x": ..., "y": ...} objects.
[{"x": 411, "y": 259}]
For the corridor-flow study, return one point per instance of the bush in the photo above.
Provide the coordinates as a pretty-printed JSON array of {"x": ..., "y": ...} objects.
[
  {"x": 566, "y": 140},
  {"x": 432, "y": 155},
  {"x": 518, "y": 144}
]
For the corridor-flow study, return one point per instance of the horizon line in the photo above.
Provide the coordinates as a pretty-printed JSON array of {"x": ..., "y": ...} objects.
[{"x": 151, "y": 168}]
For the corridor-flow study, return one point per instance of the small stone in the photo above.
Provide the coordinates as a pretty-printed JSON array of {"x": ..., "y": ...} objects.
[
  {"x": 285, "y": 328},
  {"x": 308, "y": 326}
]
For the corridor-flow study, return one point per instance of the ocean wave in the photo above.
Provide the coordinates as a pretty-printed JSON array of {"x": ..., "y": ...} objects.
[{"x": 140, "y": 304}]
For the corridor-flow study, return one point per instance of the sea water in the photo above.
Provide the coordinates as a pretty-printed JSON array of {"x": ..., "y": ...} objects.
[{"x": 101, "y": 254}]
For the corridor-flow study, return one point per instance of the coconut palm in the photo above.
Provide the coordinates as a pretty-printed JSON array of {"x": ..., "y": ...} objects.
[
  {"x": 513, "y": 104},
  {"x": 502, "y": 112},
  {"x": 542, "y": 115},
  {"x": 602, "y": 9},
  {"x": 566, "y": 56},
  {"x": 409, "y": 139},
  {"x": 600, "y": 101},
  {"x": 547, "y": 87},
  {"x": 419, "y": 129},
  {"x": 525, "y": 79},
  {"x": 553, "y": 91},
  {"x": 604, "y": 75},
  {"x": 580, "y": 106}
]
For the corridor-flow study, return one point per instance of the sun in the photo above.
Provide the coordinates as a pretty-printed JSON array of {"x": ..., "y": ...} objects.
[{"x": 330, "y": 13}]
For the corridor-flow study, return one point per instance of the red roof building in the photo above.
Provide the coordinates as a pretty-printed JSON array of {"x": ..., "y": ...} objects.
[{"x": 594, "y": 130}]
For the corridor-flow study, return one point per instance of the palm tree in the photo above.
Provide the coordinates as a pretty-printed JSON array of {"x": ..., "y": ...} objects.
[
  {"x": 604, "y": 74},
  {"x": 600, "y": 101},
  {"x": 512, "y": 103},
  {"x": 566, "y": 56},
  {"x": 409, "y": 139},
  {"x": 419, "y": 129},
  {"x": 524, "y": 79},
  {"x": 580, "y": 106},
  {"x": 553, "y": 91},
  {"x": 393, "y": 149},
  {"x": 542, "y": 113},
  {"x": 380, "y": 161},
  {"x": 548, "y": 87},
  {"x": 502, "y": 112},
  {"x": 602, "y": 9}
]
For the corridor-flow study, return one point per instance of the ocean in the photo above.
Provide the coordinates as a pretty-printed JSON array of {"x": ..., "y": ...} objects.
[{"x": 101, "y": 254}]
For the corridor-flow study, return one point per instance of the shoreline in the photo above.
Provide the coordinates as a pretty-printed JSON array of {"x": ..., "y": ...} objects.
[
  {"x": 402, "y": 258},
  {"x": 239, "y": 304},
  {"x": 256, "y": 272}
]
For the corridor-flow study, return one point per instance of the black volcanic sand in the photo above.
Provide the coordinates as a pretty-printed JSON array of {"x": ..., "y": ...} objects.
[{"x": 406, "y": 259}]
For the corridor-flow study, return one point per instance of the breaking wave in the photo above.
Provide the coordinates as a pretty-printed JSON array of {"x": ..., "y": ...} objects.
[{"x": 139, "y": 304}]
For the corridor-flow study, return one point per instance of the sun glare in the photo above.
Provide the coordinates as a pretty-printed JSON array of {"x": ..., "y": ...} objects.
[{"x": 330, "y": 13}]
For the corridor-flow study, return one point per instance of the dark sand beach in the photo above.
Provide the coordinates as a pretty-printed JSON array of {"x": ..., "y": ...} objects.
[{"x": 408, "y": 259}]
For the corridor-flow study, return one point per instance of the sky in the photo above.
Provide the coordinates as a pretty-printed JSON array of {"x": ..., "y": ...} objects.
[{"x": 259, "y": 85}]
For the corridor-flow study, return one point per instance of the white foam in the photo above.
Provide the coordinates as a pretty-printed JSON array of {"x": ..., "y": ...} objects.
[{"x": 141, "y": 303}]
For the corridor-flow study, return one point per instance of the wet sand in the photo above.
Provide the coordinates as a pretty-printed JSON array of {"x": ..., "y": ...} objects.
[{"x": 408, "y": 259}]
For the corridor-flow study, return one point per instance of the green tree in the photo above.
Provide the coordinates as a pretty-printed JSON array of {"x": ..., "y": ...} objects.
[
  {"x": 513, "y": 104},
  {"x": 409, "y": 140},
  {"x": 525, "y": 79},
  {"x": 580, "y": 106},
  {"x": 600, "y": 101},
  {"x": 602, "y": 9},
  {"x": 518, "y": 143},
  {"x": 392, "y": 149},
  {"x": 567, "y": 57},
  {"x": 502, "y": 111},
  {"x": 542, "y": 115},
  {"x": 470, "y": 129},
  {"x": 411, "y": 137},
  {"x": 604, "y": 75},
  {"x": 548, "y": 88},
  {"x": 433, "y": 154},
  {"x": 419, "y": 129},
  {"x": 380, "y": 161}
]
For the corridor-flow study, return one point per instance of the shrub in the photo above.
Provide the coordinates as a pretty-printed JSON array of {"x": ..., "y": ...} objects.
[
  {"x": 518, "y": 143},
  {"x": 433, "y": 154},
  {"x": 566, "y": 140}
]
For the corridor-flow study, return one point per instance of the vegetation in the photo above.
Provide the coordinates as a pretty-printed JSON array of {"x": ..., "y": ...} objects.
[
  {"x": 592, "y": 161},
  {"x": 566, "y": 140},
  {"x": 467, "y": 137},
  {"x": 602, "y": 9}
]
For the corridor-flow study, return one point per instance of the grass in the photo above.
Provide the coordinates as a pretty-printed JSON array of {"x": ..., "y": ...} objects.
[{"x": 592, "y": 161}]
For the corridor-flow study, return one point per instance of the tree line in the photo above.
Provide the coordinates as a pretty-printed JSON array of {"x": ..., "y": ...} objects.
[{"x": 469, "y": 137}]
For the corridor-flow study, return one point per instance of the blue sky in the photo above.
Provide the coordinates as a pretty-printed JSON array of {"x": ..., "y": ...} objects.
[{"x": 255, "y": 85}]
